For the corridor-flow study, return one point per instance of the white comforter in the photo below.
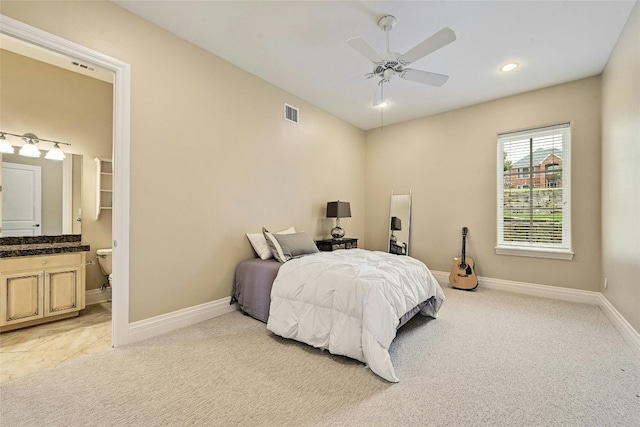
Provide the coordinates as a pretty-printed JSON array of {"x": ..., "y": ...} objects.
[{"x": 350, "y": 302}]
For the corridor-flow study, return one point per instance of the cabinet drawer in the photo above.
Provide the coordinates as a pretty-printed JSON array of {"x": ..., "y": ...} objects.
[{"x": 43, "y": 261}]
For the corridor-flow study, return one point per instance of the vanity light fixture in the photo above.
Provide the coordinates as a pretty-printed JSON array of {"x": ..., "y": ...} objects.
[
  {"x": 30, "y": 149},
  {"x": 509, "y": 67}
]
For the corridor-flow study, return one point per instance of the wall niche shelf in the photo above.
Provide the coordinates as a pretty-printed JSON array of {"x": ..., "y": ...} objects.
[{"x": 104, "y": 185}]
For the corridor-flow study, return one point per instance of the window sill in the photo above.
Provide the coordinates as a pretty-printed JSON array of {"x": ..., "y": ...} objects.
[{"x": 562, "y": 254}]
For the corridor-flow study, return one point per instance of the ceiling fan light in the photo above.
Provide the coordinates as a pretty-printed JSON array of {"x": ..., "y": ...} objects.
[
  {"x": 5, "y": 146},
  {"x": 383, "y": 104},
  {"x": 55, "y": 153},
  {"x": 509, "y": 67},
  {"x": 29, "y": 150}
]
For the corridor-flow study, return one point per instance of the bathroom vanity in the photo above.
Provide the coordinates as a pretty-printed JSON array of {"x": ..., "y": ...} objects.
[{"x": 42, "y": 279}]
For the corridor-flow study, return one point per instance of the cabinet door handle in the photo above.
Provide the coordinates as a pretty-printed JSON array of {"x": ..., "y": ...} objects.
[{"x": 36, "y": 225}]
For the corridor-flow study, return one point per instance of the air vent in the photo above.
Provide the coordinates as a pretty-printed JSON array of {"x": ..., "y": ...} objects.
[
  {"x": 83, "y": 66},
  {"x": 291, "y": 113}
]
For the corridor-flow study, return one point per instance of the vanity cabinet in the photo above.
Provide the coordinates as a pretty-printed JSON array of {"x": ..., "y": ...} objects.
[{"x": 38, "y": 289}]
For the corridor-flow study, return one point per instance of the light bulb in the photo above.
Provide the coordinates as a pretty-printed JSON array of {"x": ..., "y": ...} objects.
[{"x": 509, "y": 67}]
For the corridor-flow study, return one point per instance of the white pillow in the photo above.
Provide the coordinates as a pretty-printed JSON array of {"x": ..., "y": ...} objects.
[{"x": 260, "y": 245}]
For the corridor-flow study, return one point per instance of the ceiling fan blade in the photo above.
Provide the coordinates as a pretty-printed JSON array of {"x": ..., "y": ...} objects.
[
  {"x": 424, "y": 77},
  {"x": 365, "y": 49},
  {"x": 424, "y": 48}
]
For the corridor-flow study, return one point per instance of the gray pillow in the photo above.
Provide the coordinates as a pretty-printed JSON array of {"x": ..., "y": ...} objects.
[{"x": 295, "y": 245}]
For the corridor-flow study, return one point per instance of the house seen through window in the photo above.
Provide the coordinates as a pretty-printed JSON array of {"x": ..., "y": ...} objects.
[{"x": 534, "y": 192}]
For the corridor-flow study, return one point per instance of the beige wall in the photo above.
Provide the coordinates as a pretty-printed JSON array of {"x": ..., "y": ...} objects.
[
  {"x": 621, "y": 173},
  {"x": 449, "y": 162},
  {"x": 61, "y": 105},
  {"x": 211, "y": 157}
]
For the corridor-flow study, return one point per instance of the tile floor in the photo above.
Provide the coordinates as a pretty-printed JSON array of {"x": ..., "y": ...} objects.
[{"x": 33, "y": 349}]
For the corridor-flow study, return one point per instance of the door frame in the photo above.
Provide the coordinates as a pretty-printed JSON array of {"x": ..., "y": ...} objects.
[{"x": 121, "y": 157}]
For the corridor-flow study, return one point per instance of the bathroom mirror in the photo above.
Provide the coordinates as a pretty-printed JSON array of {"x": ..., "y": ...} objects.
[
  {"x": 60, "y": 201},
  {"x": 399, "y": 223}
]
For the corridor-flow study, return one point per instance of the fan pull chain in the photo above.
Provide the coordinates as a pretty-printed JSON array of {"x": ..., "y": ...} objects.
[{"x": 382, "y": 98}]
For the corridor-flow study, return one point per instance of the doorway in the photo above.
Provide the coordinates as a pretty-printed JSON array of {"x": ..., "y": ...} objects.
[{"x": 121, "y": 152}]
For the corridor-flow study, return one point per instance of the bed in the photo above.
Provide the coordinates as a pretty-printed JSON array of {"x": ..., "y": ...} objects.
[{"x": 349, "y": 302}]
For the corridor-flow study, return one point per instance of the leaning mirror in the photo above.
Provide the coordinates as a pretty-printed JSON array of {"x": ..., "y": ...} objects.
[
  {"x": 40, "y": 196},
  {"x": 400, "y": 224}
]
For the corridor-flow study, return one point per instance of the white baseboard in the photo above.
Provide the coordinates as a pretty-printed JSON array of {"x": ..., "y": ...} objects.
[
  {"x": 164, "y": 323},
  {"x": 95, "y": 296},
  {"x": 627, "y": 331}
]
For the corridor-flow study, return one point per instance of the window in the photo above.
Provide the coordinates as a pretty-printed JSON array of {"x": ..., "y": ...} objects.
[
  {"x": 534, "y": 193},
  {"x": 523, "y": 172}
]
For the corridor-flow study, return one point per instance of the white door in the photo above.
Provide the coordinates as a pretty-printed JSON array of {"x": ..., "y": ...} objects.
[{"x": 21, "y": 200}]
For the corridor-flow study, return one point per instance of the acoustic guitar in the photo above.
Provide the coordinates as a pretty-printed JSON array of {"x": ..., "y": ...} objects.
[{"x": 463, "y": 275}]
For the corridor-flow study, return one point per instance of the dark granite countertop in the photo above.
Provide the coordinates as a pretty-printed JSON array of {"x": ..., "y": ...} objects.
[{"x": 40, "y": 245}]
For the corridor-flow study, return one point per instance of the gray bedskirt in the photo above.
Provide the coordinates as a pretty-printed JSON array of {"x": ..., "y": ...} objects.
[{"x": 252, "y": 286}]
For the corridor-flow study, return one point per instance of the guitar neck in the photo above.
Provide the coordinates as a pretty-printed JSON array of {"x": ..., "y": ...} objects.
[{"x": 464, "y": 251}]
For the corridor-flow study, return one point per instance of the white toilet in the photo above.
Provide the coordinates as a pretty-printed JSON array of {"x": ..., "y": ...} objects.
[{"x": 104, "y": 260}]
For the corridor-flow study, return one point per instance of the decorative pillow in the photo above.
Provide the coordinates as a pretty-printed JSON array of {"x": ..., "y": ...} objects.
[
  {"x": 295, "y": 245},
  {"x": 274, "y": 246},
  {"x": 259, "y": 243}
]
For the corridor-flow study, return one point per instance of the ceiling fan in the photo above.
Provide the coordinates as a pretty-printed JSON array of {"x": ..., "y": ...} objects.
[{"x": 388, "y": 64}]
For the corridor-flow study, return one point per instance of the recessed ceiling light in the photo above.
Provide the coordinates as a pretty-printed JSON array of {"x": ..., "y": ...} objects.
[{"x": 509, "y": 67}]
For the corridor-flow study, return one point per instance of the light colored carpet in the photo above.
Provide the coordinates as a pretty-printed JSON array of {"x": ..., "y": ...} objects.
[{"x": 491, "y": 358}]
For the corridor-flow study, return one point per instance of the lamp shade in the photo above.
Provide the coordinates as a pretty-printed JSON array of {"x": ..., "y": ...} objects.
[
  {"x": 55, "y": 153},
  {"x": 396, "y": 223},
  {"x": 5, "y": 146},
  {"x": 338, "y": 209},
  {"x": 29, "y": 150}
]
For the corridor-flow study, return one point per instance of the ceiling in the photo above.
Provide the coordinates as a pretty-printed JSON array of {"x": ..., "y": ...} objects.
[{"x": 300, "y": 46}]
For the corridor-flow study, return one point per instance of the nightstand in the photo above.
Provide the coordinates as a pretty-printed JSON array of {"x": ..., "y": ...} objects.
[
  {"x": 333, "y": 245},
  {"x": 398, "y": 249}
]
